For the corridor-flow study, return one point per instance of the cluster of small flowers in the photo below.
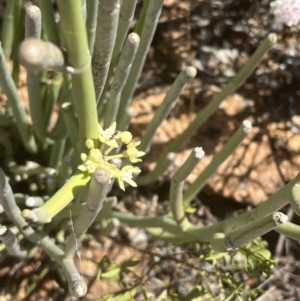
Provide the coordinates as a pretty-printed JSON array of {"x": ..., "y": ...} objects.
[
  {"x": 99, "y": 157},
  {"x": 286, "y": 11}
]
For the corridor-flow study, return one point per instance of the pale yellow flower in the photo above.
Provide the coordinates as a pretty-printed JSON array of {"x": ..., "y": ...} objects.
[
  {"x": 132, "y": 152},
  {"x": 126, "y": 175},
  {"x": 112, "y": 168},
  {"x": 95, "y": 155},
  {"x": 88, "y": 166},
  {"x": 99, "y": 158},
  {"x": 108, "y": 136},
  {"x": 90, "y": 161}
]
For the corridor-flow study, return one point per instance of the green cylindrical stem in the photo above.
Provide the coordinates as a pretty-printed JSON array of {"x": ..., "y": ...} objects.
[
  {"x": 33, "y": 22},
  {"x": 35, "y": 103},
  {"x": 239, "y": 79},
  {"x": 214, "y": 233},
  {"x": 77, "y": 207},
  {"x": 71, "y": 123},
  {"x": 295, "y": 201},
  {"x": 74, "y": 32},
  {"x": 189, "y": 165},
  {"x": 50, "y": 26},
  {"x": 56, "y": 153},
  {"x": 40, "y": 111},
  {"x": 36, "y": 55},
  {"x": 274, "y": 203},
  {"x": 217, "y": 160},
  {"x": 66, "y": 95},
  {"x": 176, "y": 204},
  {"x": 152, "y": 16},
  {"x": 33, "y": 27},
  {"x": 98, "y": 189},
  {"x": 52, "y": 181},
  {"x": 163, "y": 110},
  {"x": 290, "y": 230},
  {"x": 12, "y": 210},
  {"x": 64, "y": 171},
  {"x": 50, "y": 98},
  {"x": 107, "y": 226},
  {"x": 59, "y": 200},
  {"x": 6, "y": 143},
  {"x": 11, "y": 242},
  {"x": 59, "y": 131},
  {"x": 163, "y": 222},
  {"x": 7, "y": 36},
  {"x": 83, "y": 9},
  {"x": 5, "y": 120},
  {"x": 125, "y": 18},
  {"x": 254, "y": 230},
  {"x": 129, "y": 113},
  {"x": 156, "y": 173},
  {"x": 173, "y": 238},
  {"x": 177, "y": 183},
  {"x": 18, "y": 36},
  {"x": 11, "y": 92},
  {"x": 120, "y": 77},
  {"x": 107, "y": 23},
  {"x": 106, "y": 211},
  {"x": 141, "y": 21},
  {"x": 91, "y": 22},
  {"x": 97, "y": 193},
  {"x": 77, "y": 287}
]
